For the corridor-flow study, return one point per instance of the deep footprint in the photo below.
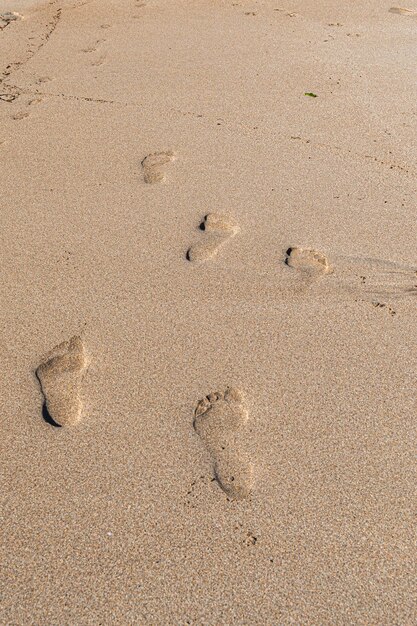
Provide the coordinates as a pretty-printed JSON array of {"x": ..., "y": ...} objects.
[
  {"x": 218, "y": 419},
  {"x": 220, "y": 228},
  {"x": 307, "y": 260},
  {"x": 152, "y": 163},
  {"x": 60, "y": 378}
]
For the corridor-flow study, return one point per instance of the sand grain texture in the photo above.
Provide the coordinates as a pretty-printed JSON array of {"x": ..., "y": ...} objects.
[{"x": 121, "y": 126}]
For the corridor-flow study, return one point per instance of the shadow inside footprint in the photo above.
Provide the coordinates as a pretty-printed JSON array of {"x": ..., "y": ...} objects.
[
  {"x": 60, "y": 376},
  {"x": 47, "y": 416}
]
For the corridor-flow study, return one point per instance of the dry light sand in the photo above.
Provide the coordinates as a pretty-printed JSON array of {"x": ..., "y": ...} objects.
[{"x": 208, "y": 312}]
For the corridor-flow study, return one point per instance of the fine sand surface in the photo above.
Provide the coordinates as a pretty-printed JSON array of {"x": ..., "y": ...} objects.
[{"x": 208, "y": 312}]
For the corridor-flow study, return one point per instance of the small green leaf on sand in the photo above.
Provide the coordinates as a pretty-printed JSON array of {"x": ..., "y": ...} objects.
[{"x": 311, "y": 94}]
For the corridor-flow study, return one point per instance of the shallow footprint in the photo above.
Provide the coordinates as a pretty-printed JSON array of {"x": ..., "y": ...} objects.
[
  {"x": 403, "y": 11},
  {"x": 307, "y": 260},
  {"x": 60, "y": 377},
  {"x": 152, "y": 163},
  {"x": 362, "y": 277},
  {"x": 221, "y": 228},
  {"x": 218, "y": 419}
]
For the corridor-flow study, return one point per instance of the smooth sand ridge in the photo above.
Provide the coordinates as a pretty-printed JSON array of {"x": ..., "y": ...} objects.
[{"x": 179, "y": 217}]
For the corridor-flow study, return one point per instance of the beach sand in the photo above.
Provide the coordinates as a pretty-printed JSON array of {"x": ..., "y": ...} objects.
[{"x": 208, "y": 312}]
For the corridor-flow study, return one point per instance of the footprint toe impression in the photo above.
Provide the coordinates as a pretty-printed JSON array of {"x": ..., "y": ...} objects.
[
  {"x": 218, "y": 229},
  {"x": 218, "y": 420},
  {"x": 60, "y": 378}
]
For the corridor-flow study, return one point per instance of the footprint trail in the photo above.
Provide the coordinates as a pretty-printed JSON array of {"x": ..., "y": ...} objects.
[
  {"x": 219, "y": 420},
  {"x": 218, "y": 229},
  {"x": 60, "y": 378}
]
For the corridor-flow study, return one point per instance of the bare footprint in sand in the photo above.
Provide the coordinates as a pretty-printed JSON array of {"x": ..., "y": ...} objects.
[
  {"x": 60, "y": 378},
  {"x": 220, "y": 228},
  {"x": 219, "y": 418},
  {"x": 152, "y": 163},
  {"x": 307, "y": 260},
  {"x": 403, "y": 11},
  {"x": 364, "y": 278}
]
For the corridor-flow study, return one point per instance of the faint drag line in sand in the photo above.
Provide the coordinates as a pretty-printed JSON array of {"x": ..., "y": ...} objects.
[
  {"x": 80, "y": 4},
  {"x": 70, "y": 97},
  {"x": 263, "y": 132},
  {"x": 235, "y": 128},
  {"x": 219, "y": 121},
  {"x": 44, "y": 36},
  {"x": 31, "y": 53},
  {"x": 404, "y": 169}
]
